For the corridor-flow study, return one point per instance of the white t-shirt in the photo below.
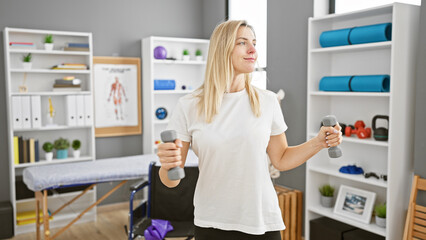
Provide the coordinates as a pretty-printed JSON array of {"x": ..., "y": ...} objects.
[{"x": 234, "y": 189}]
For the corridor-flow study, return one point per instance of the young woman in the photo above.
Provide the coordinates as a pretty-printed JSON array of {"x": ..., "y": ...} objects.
[{"x": 233, "y": 127}]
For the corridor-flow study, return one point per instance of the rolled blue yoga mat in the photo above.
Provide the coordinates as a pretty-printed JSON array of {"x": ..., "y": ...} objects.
[
  {"x": 160, "y": 84},
  {"x": 371, "y": 33},
  {"x": 335, "y": 83},
  {"x": 334, "y": 38},
  {"x": 371, "y": 83}
]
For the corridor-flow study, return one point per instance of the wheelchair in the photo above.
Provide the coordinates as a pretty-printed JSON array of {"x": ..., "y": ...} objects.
[{"x": 172, "y": 204}]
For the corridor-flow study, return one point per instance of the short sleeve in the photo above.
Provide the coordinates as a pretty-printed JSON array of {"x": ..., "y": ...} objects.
[
  {"x": 278, "y": 125},
  {"x": 179, "y": 123}
]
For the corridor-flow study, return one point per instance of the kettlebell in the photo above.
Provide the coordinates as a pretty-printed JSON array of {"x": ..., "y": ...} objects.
[{"x": 380, "y": 134}]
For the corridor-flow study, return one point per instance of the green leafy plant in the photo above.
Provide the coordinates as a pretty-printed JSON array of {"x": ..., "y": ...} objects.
[
  {"x": 47, "y": 146},
  {"x": 27, "y": 58},
  {"x": 327, "y": 190},
  {"x": 61, "y": 144},
  {"x": 185, "y": 52},
  {"x": 76, "y": 144},
  {"x": 48, "y": 39},
  {"x": 380, "y": 210},
  {"x": 198, "y": 53}
]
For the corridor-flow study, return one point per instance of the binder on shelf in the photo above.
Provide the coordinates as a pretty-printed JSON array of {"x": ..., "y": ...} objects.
[
  {"x": 26, "y": 111},
  {"x": 25, "y": 151},
  {"x": 36, "y": 111},
  {"x": 17, "y": 112},
  {"x": 16, "y": 150},
  {"x": 88, "y": 110},
  {"x": 31, "y": 150},
  {"x": 21, "y": 149},
  {"x": 71, "y": 110},
  {"x": 80, "y": 110},
  {"x": 36, "y": 151}
]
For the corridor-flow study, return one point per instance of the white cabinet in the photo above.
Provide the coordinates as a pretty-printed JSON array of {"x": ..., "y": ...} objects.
[
  {"x": 393, "y": 157},
  {"x": 39, "y": 81},
  {"x": 188, "y": 75}
]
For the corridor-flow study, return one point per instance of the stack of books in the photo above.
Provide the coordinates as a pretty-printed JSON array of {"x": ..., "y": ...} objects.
[
  {"x": 22, "y": 44},
  {"x": 68, "y": 83},
  {"x": 77, "y": 47},
  {"x": 70, "y": 66},
  {"x": 23, "y": 218},
  {"x": 25, "y": 150}
]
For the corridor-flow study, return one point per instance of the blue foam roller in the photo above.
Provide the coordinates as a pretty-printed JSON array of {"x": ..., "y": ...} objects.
[
  {"x": 371, "y": 33},
  {"x": 370, "y": 83},
  {"x": 335, "y": 83},
  {"x": 164, "y": 84},
  {"x": 334, "y": 38}
]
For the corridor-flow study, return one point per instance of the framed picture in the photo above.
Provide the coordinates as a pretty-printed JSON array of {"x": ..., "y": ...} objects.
[
  {"x": 117, "y": 90},
  {"x": 355, "y": 203}
]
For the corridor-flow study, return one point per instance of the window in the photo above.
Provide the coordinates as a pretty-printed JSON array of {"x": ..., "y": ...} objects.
[
  {"x": 254, "y": 12},
  {"x": 342, "y": 6}
]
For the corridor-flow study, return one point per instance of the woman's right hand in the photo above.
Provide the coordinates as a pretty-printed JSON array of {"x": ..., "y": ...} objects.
[{"x": 170, "y": 154}]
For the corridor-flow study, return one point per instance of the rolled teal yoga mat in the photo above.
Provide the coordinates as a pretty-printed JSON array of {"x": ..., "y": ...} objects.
[
  {"x": 371, "y": 33},
  {"x": 335, "y": 83},
  {"x": 370, "y": 83},
  {"x": 334, "y": 38}
]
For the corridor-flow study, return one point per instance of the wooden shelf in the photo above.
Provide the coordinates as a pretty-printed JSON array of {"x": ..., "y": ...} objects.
[
  {"x": 53, "y": 52},
  {"x": 189, "y": 62},
  {"x": 51, "y": 93},
  {"x": 333, "y": 170},
  {"x": 49, "y": 71},
  {"x": 354, "y": 48},
  {"x": 54, "y": 161},
  {"x": 328, "y": 212}
]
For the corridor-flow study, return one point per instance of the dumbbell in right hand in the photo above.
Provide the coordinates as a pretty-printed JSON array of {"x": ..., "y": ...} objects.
[{"x": 175, "y": 173}]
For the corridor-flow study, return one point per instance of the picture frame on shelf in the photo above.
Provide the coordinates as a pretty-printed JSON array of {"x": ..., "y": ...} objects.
[
  {"x": 117, "y": 96},
  {"x": 354, "y": 203}
]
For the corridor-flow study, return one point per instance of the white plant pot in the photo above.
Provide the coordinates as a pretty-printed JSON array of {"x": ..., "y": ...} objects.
[
  {"x": 48, "y": 46},
  {"x": 27, "y": 65},
  {"x": 49, "y": 156},
  {"x": 381, "y": 222},
  {"x": 76, "y": 153},
  {"x": 185, "y": 57},
  {"x": 326, "y": 201},
  {"x": 199, "y": 58}
]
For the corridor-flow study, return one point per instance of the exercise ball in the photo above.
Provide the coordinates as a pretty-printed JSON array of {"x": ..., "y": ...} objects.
[{"x": 160, "y": 52}]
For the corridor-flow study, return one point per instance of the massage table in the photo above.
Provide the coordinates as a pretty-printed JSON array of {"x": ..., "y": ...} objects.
[{"x": 40, "y": 179}]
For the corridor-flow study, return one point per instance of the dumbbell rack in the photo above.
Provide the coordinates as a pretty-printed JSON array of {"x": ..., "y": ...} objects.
[{"x": 393, "y": 157}]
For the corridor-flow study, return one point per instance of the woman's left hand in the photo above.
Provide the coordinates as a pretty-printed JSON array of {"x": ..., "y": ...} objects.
[{"x": 330, "y": 136}]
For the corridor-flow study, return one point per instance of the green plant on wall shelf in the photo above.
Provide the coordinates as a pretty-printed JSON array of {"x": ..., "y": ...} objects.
[
  {"x": 76, "y": 144},
  {"x": 48, "y": 147},
  {"x": 380, "y": 210},
  {"x": 61, "y": 144},
  {"x": 198, "y": 53},
  {"x": 327, "y": 190},
  {"x": 27, "y": 58},
  {"x": 185, "y": 52},
  {"x": 48, "y": 38}
]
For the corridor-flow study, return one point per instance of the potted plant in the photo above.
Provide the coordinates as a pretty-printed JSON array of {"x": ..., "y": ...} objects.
[
  {"x": 26, "y": 61},
  {"x": 48, "y": 42},
  {"x": 48, "y": 148},
  {"x": 198, "y": 55},
  {"x": 76, "y": 144},
  {"x": 185, "y": 54},
  {"x": 61, "y": 145},
  {"x": 380, "y": 212},
  {"x": 327, "y": 193}
]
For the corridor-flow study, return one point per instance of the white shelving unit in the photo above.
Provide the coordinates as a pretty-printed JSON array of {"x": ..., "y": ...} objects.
[
  {"x": 39, "y": 81},
  {"x": 189, "y": 73},
  {"x": 394, "y": 157}
]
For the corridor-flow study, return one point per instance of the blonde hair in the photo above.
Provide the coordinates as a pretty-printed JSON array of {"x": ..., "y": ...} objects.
[{"x": 220, "y": 71}]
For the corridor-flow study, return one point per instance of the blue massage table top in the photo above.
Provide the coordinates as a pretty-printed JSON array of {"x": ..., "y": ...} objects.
[{"x": 102, "y": 170}]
